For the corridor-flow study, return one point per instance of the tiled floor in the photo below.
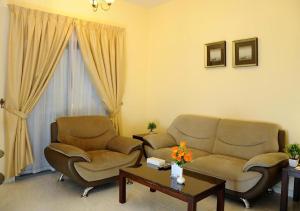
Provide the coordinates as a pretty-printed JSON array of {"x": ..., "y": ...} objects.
[{"x": 42, "y": 192}]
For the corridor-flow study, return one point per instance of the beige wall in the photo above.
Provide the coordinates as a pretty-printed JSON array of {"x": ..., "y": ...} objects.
[
  {"x": 130, "y": 16},
  {"x": 177, "y": 81}
]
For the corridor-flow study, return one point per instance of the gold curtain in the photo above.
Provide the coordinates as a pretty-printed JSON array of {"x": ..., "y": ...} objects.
[
  {"x": 103, "y": 50},
  {"x": 36, "y": 43}
]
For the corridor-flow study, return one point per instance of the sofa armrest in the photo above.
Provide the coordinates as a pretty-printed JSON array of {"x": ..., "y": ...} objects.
[
  {"x": 70, "y": 151},
  {"x": 160, "y": 140},
  {"x": 265, "y": 160},
  {"x": 124, "y": 145}
]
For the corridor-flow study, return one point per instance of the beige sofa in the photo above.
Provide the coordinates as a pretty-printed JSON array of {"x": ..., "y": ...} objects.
[{"x": 246, "y": 154}]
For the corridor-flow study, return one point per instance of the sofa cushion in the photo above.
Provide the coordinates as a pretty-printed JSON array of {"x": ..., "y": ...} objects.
[
  {"x": 227, "y": 168},
  {"x": 198, "y": 131},
  {"x": 104, "y": 164},
  {"x": 165, "y": 153},
  {"x": 246, "y": 139},
  {"x": 85, "y": 132}
]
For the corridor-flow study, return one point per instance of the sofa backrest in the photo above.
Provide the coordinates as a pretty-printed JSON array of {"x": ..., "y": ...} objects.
[
  {"x": 245, "y": 139},
  {"x": 85, "y": 132},
  {"x": 198, "y": 131}
]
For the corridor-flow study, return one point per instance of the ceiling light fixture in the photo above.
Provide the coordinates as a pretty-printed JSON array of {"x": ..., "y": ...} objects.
[{"x": 104, "y": 4}]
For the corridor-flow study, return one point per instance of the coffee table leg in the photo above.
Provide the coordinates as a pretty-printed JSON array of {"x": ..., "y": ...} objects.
[
  {"x": 284, "y": 190},
  {"x": 220, "y": 199},
  {"x": 296, "y": 189},
  {"x": 192, "y": 205},
  {"x": 122, "y": 188}
]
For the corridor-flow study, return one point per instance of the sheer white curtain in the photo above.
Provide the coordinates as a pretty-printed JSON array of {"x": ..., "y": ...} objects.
[
  {"x": 82, "y": 97},
  {"x": 70, "y": 93}
]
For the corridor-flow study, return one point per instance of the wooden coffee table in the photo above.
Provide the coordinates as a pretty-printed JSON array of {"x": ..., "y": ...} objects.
[{"x": 196, "y": 188}]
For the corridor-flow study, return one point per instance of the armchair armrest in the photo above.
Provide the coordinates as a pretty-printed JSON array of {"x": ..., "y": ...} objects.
[
  {"x": 124, "y": 145},
  {"x": 265, "y": 160},
  {"x": 70, "y": 151},
  {"x": 160, "y": 140}
]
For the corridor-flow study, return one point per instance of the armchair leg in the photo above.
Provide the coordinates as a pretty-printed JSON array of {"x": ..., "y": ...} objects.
[
  {"x": 61, "y": 178},
  {"x": 86, "y": 192},
  {"x": 246, "y": 203}
]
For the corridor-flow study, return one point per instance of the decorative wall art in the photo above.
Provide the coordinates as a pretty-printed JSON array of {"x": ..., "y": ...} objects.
[
  {"x": 215, "y": 54},
  {"x": 245, "y": 52}
]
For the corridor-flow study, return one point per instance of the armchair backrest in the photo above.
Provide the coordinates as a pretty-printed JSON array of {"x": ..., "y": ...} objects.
[{"x": 86, "y": 132}]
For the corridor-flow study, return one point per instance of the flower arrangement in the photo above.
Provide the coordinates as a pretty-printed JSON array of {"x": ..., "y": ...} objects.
[{"x": 181, "y": 155}]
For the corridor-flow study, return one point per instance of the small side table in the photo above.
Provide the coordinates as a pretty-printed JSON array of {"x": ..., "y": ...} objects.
[
  {"x": 141, "y": 138},
  {"x": 286, "y": 173}
]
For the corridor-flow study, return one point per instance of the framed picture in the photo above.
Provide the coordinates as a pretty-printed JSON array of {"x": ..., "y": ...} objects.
[
  {"x": 215, "y": 54},
  {"x": 245, "y": 52}
]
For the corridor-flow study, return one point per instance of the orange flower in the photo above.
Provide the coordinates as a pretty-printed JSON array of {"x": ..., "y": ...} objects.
[
  {"x": 178, "y": 158},
  {"x": 181, "y": 153},
  {"x": 182, "y": 144},
  {"x": 188, "y": 157},
  {"x": 174, "y": 155},
  {"x": 174, "y": 149}
]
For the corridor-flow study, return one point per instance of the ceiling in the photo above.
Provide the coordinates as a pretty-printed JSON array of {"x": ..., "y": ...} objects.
[{"x": 148, "y": 3}]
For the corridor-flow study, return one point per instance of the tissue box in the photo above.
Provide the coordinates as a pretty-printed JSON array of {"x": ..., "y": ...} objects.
[{"x": 156, "y": 161}]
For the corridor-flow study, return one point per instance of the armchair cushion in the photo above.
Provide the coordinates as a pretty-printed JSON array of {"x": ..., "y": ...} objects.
[
  {"x": 70, "y": 151},
  {"x": 265, "y": 160},
  {"x": 123, "y": 145},
  {"x": 105, "y": 164},
  {"x": 161, "y": 140}
]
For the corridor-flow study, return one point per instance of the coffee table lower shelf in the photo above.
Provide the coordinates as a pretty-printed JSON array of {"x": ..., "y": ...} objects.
[{"x": 218, "y": 190}]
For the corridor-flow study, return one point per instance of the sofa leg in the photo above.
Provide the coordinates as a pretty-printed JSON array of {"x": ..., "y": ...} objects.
[
  {"x": 86, "y": 192},
  {"x": 61, "y": 178},
  {"x": 246, "y": 203}
]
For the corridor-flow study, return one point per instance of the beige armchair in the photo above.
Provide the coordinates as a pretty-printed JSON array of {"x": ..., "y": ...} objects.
[{"x": 88, "y": 150}]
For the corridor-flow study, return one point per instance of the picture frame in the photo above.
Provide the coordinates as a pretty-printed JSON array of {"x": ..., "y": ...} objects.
[
  {"x": 215, "y": 54},
  {"x": 245, "y": 52}
]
